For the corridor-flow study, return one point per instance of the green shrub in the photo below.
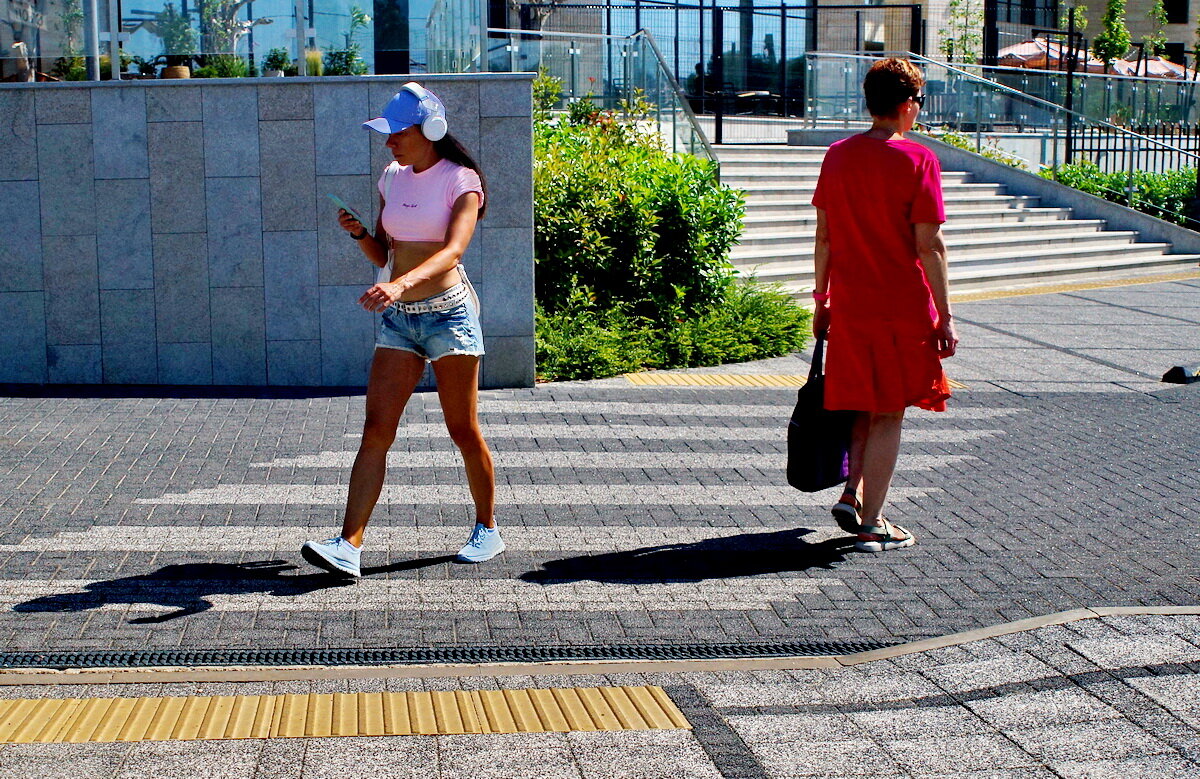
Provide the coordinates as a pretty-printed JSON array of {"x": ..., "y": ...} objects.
[
  {"x": 1164, "y": 195},
  {"x": 223, "y": 66},
  {"x": 990, "y": 149},
  {"x": 632, "y": 244},
  {"x": 617, "y": 214}
]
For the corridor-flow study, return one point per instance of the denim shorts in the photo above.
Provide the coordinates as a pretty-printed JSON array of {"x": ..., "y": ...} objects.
[{"x": 433, "y": 334}]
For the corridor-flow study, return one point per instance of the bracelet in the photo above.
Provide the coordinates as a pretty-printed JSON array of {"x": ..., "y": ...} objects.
[
  {"x": 360, "y": 236},
  {"x": 820, "y": 297}
]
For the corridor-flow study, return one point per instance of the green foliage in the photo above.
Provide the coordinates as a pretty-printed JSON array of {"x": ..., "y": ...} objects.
[
  {"x": 1156, "y": 40},
  {"x": 223, "y": 66},
  {"x": 546, "y": 92},
  {"x": 175, "y": 30},
  {"x": 348, "y": 61},
  {"x": 314, "y": 62},
  {"x": 1164, "y": 195},
  {"x": 962, "y": 37},
  {"x": 1112, "y": 42},
  {"x": 277, "y": 59},
  {"x": 631, "y": 244},
  {"x": 990, "y": 148},
  {"x": 1078, "y": 10}
]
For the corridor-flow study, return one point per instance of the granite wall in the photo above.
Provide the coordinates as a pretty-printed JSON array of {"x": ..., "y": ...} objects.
[{"x": 177, "y": 232}]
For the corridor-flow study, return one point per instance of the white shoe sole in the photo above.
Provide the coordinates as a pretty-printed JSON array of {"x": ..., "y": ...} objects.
[
  {"x": 464, "y": 559},
  {"x": 883, "y": 546},
  {"x": 317, "y": 558}
]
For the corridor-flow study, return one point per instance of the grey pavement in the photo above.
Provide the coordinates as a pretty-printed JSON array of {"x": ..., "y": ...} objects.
[{"x": 1064, "y": 476}]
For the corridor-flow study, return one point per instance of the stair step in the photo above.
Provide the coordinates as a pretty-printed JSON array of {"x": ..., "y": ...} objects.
[
  {"x": 960, "y": 244},
  {"x": 769, "y": 266},
  {"x": 1006, "y": 279},
  {"x": 736, "y": 175},
  {"x": 798, "y": 211}
]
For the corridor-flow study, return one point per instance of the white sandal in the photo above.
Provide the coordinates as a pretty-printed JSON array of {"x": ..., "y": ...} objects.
[{"x": 882, "y": 537}]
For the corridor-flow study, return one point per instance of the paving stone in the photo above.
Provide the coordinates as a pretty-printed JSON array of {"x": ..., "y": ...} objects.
[
  {"x": 1110, "y": 739},
  {"x": 1152, "y": 767},
  {"x": 1136, "y": 651},
  {"x": 1054, "y": 706}
]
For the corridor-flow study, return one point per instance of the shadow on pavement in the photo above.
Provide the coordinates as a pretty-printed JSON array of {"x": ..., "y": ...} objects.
[
  {"x": 186, "y": 587},
  {"x": 748, "y": 554}
]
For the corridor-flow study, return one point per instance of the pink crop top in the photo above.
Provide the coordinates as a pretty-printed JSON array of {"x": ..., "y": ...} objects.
[{"x": 418, "y": 206}]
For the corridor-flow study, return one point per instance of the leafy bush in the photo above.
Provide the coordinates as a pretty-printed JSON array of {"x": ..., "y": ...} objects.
[
  {"x": 1164, "y": 195},
  {"x": 632, "y": 244},
  {"x": 223, "y": 66},
  {"x": 990, "y": 149},
  {"x": 276, "y": 59}
]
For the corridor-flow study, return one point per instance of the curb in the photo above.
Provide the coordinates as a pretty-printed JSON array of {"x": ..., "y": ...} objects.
[{"x": 433, "y": 671}]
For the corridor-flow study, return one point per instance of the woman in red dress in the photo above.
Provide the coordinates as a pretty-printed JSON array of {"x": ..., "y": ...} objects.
[{"x": 881, "y": 292}]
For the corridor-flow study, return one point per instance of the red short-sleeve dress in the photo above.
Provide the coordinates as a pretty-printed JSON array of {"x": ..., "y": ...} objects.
[{"x": 881, "y": 355}]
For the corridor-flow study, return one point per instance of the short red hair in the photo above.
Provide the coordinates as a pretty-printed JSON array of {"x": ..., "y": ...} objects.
[{"x": 889, "y": 83}]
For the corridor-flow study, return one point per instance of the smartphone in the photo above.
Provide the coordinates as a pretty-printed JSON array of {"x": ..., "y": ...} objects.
[{"x": 337, "y": 201}]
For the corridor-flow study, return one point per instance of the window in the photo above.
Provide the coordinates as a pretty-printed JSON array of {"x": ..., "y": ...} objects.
[{"x": 1177, "y": 11}]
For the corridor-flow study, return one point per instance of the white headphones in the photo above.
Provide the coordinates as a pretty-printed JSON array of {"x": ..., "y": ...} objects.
[{"x": 433, "y": 126}]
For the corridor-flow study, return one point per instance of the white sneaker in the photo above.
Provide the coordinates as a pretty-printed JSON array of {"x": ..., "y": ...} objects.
[
  {"x": 336, "y": 555},
  {"x": 485, "y": 543}
]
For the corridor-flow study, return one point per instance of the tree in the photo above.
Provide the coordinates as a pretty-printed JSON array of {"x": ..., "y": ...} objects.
[
  {"x": 962, "y": 37},
  {"x": 222, "y": 30},
  {"x": 1113, "y": 41},
  {"x": 1079, "y": 11},
  {"x": 1156, "y": 39}
]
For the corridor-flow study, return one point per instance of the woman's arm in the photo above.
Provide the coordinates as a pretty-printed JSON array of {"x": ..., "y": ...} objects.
[
  {"x": 373, "y": 246},
  {"x": 931, "y": 249},
  {"x": 463, "y": 218},
  {"x": 821, "y": 274}
]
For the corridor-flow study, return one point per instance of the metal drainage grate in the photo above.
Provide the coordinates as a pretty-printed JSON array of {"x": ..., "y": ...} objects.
[{"x": 416, "y": 656}]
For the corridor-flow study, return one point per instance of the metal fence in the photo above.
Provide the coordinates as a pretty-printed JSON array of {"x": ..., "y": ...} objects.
[{"x": 736, "y": 60}]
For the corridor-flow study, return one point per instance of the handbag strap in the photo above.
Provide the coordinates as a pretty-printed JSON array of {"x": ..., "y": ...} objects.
[{"x": 816, "y": 369}]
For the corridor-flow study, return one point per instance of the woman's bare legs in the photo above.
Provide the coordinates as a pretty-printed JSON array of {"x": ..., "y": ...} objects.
[
  {"x": 394, "y": 376},
  {"x": 874, "y": 448},
  {"x": 458, "y": 390}
]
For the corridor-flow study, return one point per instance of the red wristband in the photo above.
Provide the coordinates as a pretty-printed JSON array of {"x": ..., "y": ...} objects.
[{"x": 820, "y": 297}]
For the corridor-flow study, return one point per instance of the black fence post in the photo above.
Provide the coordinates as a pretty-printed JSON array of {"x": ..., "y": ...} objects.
[
  {"x": 916, "y": 30},
  {"x": 783, "y": 60},
  {"x": 718, "y": 58}
]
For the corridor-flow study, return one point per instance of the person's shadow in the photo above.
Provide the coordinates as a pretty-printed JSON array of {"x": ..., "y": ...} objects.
[
  {"x": 747, "y": 554},
  {"x": 186, "y": 588}
]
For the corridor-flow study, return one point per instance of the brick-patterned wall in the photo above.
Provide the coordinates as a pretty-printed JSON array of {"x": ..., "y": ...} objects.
[{"x": 176, "y": 232}]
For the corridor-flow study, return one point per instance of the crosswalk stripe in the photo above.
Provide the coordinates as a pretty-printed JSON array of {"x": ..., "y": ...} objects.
[
  {"x": 665, "y": 432},
  {"x": 410, "y": 540},
  {"x": 544, "y": 458},
  {"x": 513, "y": 495},
  {"x": 317, "y": 592},
  {"x": 728, "y": 410}
]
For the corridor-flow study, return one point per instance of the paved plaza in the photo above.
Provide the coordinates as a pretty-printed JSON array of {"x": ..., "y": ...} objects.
[{"x": 1063, "y": 477}]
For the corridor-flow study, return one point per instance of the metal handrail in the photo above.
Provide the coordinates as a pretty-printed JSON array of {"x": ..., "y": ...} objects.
[
  {"x": 662, "y": 64},
  {"x": 1046, "y": 104},
  {"x": 679, "y": 93}
]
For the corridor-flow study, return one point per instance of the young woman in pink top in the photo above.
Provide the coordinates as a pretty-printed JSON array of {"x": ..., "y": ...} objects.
[
  {"x": 881, "y": 292},
  {"x": 430, "y": 199}
]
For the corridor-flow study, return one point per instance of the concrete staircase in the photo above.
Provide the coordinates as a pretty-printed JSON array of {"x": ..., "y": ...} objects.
[{"x": 996, "y": 241}]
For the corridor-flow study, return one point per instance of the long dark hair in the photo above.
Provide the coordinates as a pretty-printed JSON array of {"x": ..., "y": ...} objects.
[{"x": 450, "y": 148}]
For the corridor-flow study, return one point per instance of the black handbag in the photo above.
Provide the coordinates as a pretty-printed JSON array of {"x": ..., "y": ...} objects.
[{"x": 818, "y": 440}]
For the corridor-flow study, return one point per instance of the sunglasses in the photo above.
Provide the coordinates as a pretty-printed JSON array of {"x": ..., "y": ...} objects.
[{"x": 919, "y": 100}]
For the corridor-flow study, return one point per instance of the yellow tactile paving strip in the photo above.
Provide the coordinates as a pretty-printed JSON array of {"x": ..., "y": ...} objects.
[
  {"x": 78, "y": 720},
  {"x": 664, "y": 379},
  {"x": 1051, "y": 289}
]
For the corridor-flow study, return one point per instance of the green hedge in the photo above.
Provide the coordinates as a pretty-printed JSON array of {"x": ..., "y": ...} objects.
[
  {"x": 632, "y": 244},
  {"x": 1164, "y": 195}
]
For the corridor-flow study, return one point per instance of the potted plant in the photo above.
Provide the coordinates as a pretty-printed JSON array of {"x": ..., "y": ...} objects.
[
  {"x": 348, "y": 61},
  {"x": 179, "y": 40},
  {"x": 276, "y": 61}
]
